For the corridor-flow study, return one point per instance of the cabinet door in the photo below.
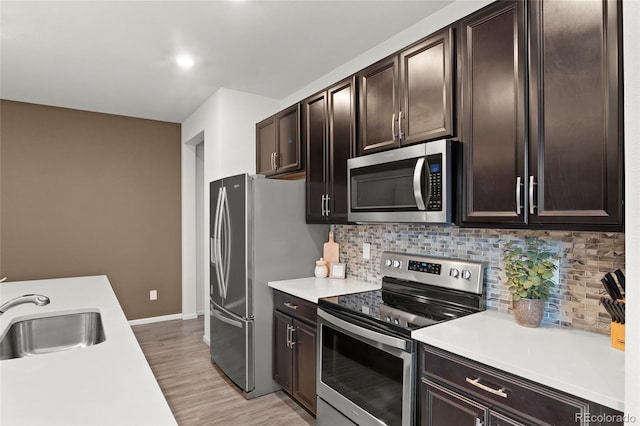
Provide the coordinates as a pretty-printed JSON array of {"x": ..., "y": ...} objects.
[
  {"x": 265, "y": 146},
  {"x": 304, "y": 350},
  {"x": 282, "y": 353},
  {"x": 497, "y": 419},
  {"x": 426, "y": 89},
  {"x": 342, "y": 136},
  {"x": 378, "y": 92},
  {"x": 444, "y": 407},
  {"x": 493, "y": 107},
  {"x": 314, "y": 134},
  {"x": 289, "y": 156},
  {"x": 575, "y": 112}
]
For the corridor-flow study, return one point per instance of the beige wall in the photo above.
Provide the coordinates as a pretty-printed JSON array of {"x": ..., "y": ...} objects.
[{"x": 84, "y": 193}]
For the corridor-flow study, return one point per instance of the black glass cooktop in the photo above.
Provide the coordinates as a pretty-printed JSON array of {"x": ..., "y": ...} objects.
[{"x": 398, "y": 308}]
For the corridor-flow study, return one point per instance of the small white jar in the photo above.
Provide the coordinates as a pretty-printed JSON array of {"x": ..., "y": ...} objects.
[{"x": 321, "y": 270}]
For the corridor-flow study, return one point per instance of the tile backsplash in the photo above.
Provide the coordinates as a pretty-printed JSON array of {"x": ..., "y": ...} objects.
[{"x": 574, "y": 302}]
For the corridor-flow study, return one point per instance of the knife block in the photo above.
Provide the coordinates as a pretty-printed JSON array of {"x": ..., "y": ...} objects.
[{"x": 617, "y": 335}]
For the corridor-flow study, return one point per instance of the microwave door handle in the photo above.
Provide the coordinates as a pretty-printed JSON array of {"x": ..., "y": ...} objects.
[{"x": 417, "y": 184}]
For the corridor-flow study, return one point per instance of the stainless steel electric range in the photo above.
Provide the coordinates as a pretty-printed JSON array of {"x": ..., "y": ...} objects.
[{"x": 367, "y": 359}]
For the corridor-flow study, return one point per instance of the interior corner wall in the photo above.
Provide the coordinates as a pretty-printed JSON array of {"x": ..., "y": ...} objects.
[
  {"x": 85, "y": 193},
  {"x": 227, "y": 121},
  {"x": 631, "y": 34}
]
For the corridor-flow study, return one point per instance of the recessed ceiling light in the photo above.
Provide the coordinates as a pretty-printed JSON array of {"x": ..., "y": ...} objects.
[{"x": 184, "y": 61}]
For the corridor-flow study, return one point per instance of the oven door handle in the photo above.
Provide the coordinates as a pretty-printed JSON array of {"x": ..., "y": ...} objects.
[
  {"x": 417, "y": 184},
  {"x": 363, "y": 332}
]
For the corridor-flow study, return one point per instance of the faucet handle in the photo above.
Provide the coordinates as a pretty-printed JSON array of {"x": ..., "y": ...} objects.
[{"x": 3, "y": 279}]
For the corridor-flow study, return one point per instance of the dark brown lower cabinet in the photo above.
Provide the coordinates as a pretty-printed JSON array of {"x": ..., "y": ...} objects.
[
  {"x": 457, "y": 391},
  {"x": 294, "y": 348}
]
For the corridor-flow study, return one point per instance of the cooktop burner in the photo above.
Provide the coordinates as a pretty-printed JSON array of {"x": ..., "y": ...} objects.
[{"x": 417, "y": 291}]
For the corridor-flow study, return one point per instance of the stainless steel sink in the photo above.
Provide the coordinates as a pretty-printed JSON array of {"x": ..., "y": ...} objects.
[{"x": 51, "y": 334}]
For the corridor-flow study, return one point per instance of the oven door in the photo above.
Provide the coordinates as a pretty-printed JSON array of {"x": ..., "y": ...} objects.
[
  {"x": 366, "y": 375},
  {"x": 409, "y": 184}
]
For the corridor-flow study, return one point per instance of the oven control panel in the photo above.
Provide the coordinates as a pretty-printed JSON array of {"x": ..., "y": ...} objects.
[
  {"x": 457, "y": 274},
  {"x": 427, "y": 267}
]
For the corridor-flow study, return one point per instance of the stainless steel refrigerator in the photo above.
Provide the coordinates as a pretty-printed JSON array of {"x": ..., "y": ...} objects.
[{"x": 258, "y": 234}]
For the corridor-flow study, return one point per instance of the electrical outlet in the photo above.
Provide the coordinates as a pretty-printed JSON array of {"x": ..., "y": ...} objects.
[
  {"x": 366, "y": 251},
  {"x": 153, "y": 295}
]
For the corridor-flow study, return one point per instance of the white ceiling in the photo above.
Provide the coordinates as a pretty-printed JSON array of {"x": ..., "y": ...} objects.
[{"x": 119, "y": 56}]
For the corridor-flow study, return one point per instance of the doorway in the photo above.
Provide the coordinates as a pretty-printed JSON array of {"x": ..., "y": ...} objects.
[{"x": 201, "y": 230}]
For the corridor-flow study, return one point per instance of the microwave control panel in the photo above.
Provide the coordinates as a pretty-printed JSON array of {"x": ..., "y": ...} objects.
[{"x": 434, "y": 169}]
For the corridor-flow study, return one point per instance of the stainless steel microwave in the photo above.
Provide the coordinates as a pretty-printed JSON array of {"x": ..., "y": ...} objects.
[{"x": 408, "y": 184}]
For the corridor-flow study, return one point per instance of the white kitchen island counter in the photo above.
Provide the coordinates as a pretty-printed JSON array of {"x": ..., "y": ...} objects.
[
  {"x": 577, "y": 362},
  {"x": 312, "y": 289},
  {"x": 110, "y": 383}
]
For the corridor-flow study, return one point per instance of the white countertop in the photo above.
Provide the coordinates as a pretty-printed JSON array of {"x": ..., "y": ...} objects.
[
  {"x": 110, "y": 383},
  {"x": 578, "y": 362},
  {"x": 312, "y": 289}
]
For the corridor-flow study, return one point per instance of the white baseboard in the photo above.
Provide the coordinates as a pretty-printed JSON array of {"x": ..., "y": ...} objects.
[
  {"x": 189, "y": 316},
  {"x": 157, "y": 319}
]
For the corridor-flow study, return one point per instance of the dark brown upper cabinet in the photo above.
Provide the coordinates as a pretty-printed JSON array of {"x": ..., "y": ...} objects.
[
  {"x": 278, "y": 147},
  {"x": 328, "y": 131},
  {"x": 542, "y": 139},
  {"x": 575, "y": 130},
  {"x": 493, "y": 90},
  {"x": 408, "y": 97}
]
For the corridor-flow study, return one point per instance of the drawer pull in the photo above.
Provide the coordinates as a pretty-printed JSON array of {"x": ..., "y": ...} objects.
[
  {"x": 476, "y": 382},
  {"x": 290, "y": 305}
]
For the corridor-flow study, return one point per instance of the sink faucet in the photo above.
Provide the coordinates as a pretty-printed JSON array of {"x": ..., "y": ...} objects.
[{"x": 38, "y": 299}]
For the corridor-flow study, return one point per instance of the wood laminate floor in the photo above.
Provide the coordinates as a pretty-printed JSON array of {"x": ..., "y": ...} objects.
[{"x": 197, "y": 391}]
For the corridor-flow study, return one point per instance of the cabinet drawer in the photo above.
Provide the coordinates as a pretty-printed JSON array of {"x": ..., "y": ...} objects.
[
  {"x": 534, "y": 403},
  {"x": 295, "y": 306}
]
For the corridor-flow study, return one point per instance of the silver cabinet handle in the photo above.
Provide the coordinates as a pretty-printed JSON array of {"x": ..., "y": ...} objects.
[
  {"x": 479, "y": 422},
  {"x": 393, "y": 127},
  {"x": 518, "y": 195},
  {"x": 291, "y": 305},
  {"x": 532, "y": 207},
  {"x": 326, "y": 210},
  {"x": 417, "y": 187},
  {"x": 288, "y": 336},
  {"x": 271, "y": 160},
  {"x": 322, "y": 206},
  {"x": 476, "y": 382},
  {"x": 400, "y": 134},
  {"x": 293, "y": 342},
  {"x": 275, "y": 160}
]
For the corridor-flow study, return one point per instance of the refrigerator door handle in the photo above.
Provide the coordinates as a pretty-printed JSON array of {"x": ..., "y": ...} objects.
[
  {"x": 217, "y": 237},
  {"x": 226, "y": 232},
  {"x": 225, "y": 319}
]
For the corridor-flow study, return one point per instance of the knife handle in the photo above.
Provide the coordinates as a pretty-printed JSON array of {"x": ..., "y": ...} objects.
[{"x": 621, "y": 278}]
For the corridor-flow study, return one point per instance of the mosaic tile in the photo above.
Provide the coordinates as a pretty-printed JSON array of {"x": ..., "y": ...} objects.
[{"x": 574, "y": 302}]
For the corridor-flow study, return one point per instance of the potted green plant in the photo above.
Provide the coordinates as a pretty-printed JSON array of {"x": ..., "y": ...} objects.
[{"x": 530, "y": 267}]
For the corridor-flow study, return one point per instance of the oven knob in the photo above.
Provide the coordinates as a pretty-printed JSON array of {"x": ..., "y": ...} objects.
[
  {"x": 454, "y": 272},
  {"x": 387, "y": 262},
  {"x": 397, "y": 263},
  {"x": 466, "y": 274},
  {"x": 388, "y": 319},
  {"x": 396, "y": 321}
]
